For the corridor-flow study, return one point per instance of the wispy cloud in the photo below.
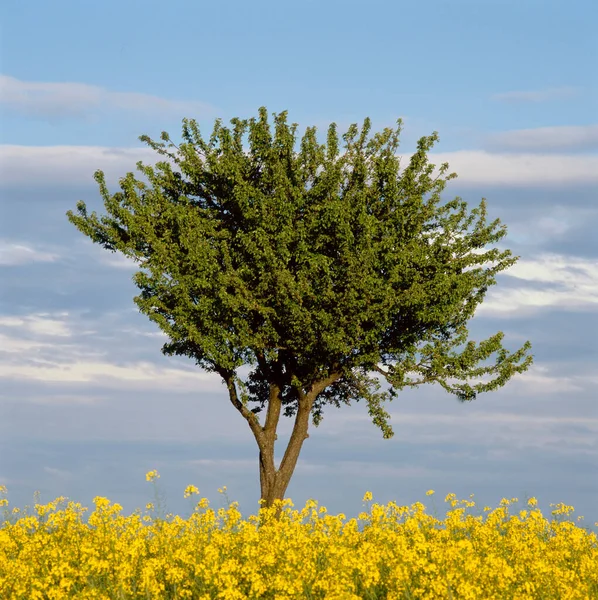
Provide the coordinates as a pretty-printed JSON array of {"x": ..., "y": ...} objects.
[
  {"x": 141, "y": 374},
  {"x": 33, "y": 349},
  {"x": 537, "y": 95},
  {"x": 569, "y": 283},
  {"x": 520, "y": 169},
  {"x": 60, "y": 473},
  {"x": 551, "y": 224},
  {"x": 68, "y": 165},
  {"x": 50, "y": 99},
  {"x": 75, "y": 165},
  {"x": 508, "y": 431},
  {"x": 14, "y": 253},
  {"x": 547, "y": 139},
  {"x": 43, "y": 324}
]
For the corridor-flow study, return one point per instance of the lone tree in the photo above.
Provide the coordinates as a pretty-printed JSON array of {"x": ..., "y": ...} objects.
[{"x": 317, "y": 268}]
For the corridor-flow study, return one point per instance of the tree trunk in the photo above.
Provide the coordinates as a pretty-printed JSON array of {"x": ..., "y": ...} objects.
[{"x": 274, "y": 482}]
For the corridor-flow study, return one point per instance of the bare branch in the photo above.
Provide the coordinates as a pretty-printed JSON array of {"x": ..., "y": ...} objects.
[{"x": 250, "y": 417}]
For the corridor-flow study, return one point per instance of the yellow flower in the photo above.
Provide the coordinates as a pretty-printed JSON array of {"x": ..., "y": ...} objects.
[
  {"x": 151, "y": 475},
  {"x": 203, "y": 503},
  {"x": 429, "y": 492},
  {"x": 367, "y": 497},
  {"x": 562, "y": 509},
  {"x": 459, "y": 556},
  {"x": 190, "y": 489}
]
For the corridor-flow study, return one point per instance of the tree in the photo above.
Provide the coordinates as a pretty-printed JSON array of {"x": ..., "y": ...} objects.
[{"x": 321, "y": 270}]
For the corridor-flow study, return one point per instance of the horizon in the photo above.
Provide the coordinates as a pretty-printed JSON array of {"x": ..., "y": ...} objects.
[{"x": 88, "y": 404}]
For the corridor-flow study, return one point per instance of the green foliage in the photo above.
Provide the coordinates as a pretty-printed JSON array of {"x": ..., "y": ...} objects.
[{"x": 309, "y": 263}]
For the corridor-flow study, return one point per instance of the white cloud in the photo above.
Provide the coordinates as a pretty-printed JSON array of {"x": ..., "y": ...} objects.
[
  {"x": 538, "y": 95},
  {"x": 570, "y": 283},
  {"x": 557, "y": 269},
  {"x": 41, "y": 323},
  {"x": 508, "y": 431},
  {"x": 40, "y": 360},
  {"x": 546, "y": 139},
  {"x": 12, "y": 253},
  {"x": 47, "y": 99},
  {"x": 70, "y": 165},
  {"x": 14, "y": 346},
  {"x": 537, "y": 382},
  {"x": 32, "y": 348},
  {"x": 59, "y": 473},
  {"x": 117, "y": 261},
  {"x": 475, "y": 167},
  {"x": 142, "y": 374}
]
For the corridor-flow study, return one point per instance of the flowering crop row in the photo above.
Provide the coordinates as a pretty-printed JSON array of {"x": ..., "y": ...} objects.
[{"x": 398, "y": 552}]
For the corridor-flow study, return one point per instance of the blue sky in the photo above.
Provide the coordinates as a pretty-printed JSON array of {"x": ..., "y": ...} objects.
[{"x": 88, "y": 404}]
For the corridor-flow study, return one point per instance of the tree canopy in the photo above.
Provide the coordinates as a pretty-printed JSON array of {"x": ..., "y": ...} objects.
[{"x": 324, "y": 269}]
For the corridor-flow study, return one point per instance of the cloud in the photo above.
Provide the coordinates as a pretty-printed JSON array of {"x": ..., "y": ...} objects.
[
  {"x": 41, "y": 324},
  {"x": 141, "y": 374},
  {"x": 117, "y": 261},
  {"x": 75, "y": 165},
  {"x": 476, "y": 167},
  {"x": 31, "y": 350},
  {"x": 59, "y": 473},
  {"x": 46, "y": 359},
  {"x": 538, "y": 95},
  {"x": 14, "y": 346},
  {"x": 547, "y": 139},
  {"x": 44, "y": 99},
  {"x": 511, "y": 432},
  {"x": 68, "y": 165},
  {"x": 12, "y": 254},
  {"x": 568, "y": 282},
  {"x": 553, "y": 224}
]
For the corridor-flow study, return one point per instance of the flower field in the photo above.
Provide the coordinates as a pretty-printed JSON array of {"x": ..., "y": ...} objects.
[{"x": 387, "y": 552}]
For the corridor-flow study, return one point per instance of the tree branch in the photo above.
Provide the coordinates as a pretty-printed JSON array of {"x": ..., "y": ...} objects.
[
  {"x": 409, "y": 383},
  {"x": 250, "y": 417},
  {"x": 274, "y": 400}
]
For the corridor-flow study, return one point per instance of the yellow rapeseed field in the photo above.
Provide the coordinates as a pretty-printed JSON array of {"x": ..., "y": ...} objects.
[{"x": 399, "y": 552}]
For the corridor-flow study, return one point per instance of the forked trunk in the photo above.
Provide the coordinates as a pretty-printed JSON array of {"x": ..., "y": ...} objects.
[
  {"x": 273, "y": 481},
  {"x": 272, "y": 489}
]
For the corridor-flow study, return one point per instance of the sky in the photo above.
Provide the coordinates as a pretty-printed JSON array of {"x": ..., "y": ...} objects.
[{"x": 88, "y": 404}]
